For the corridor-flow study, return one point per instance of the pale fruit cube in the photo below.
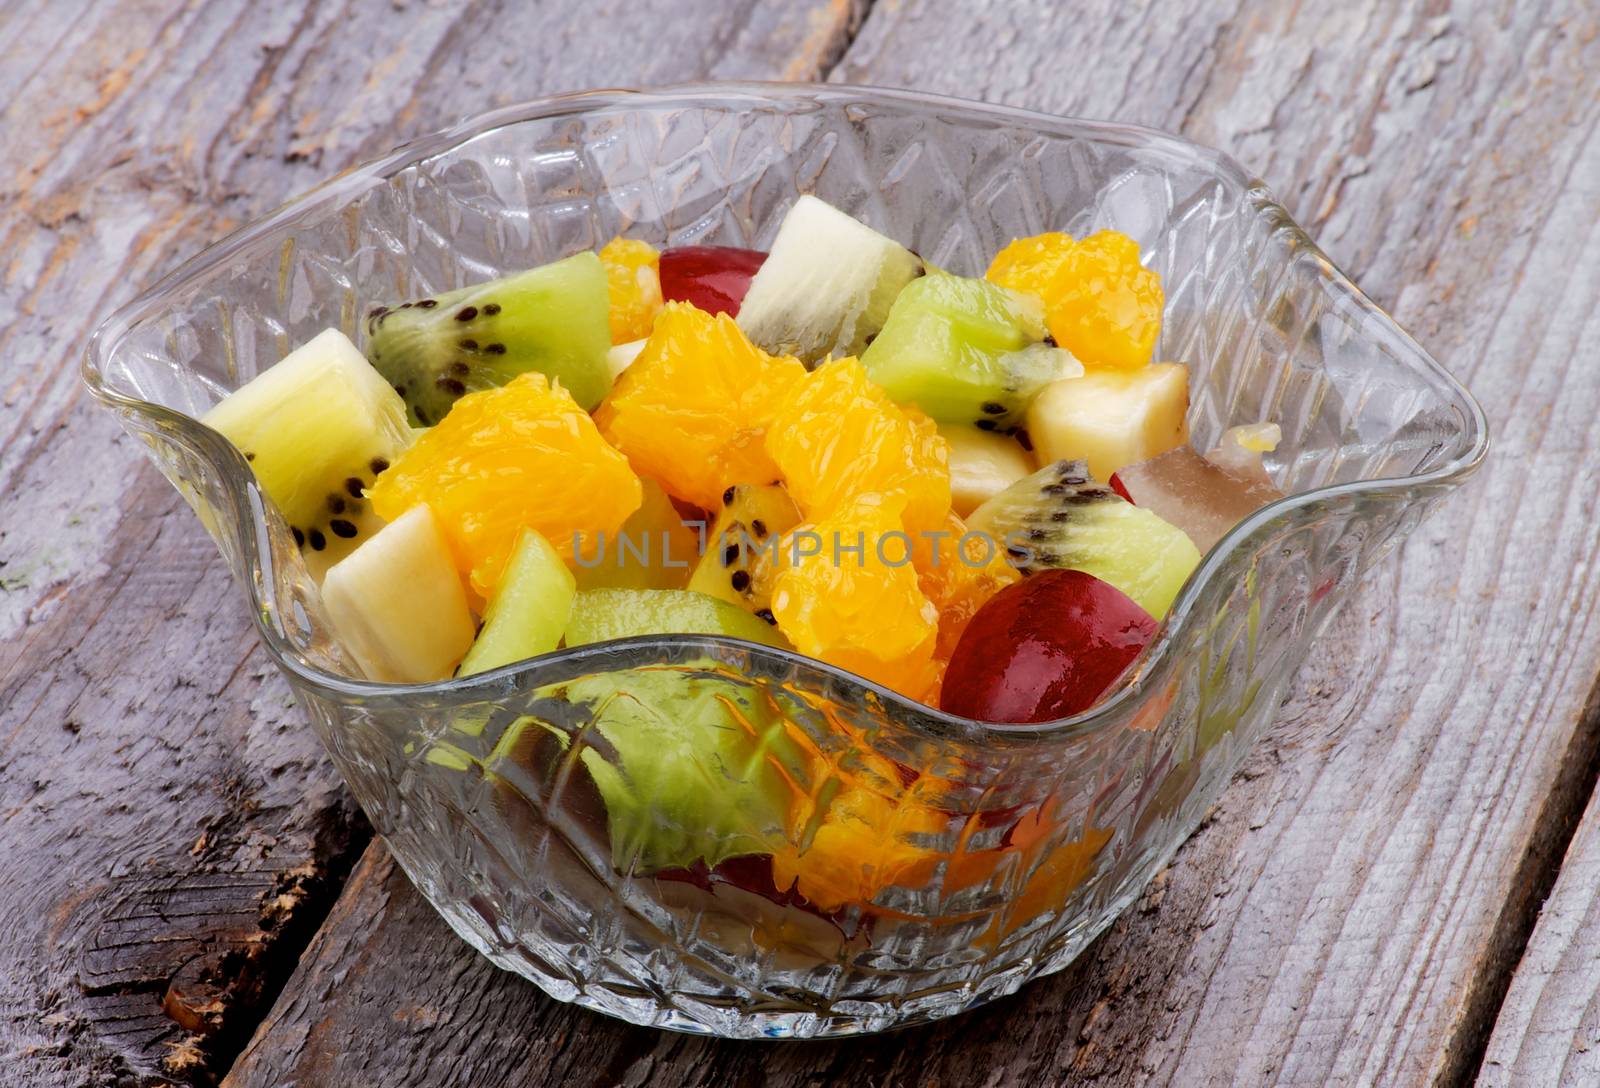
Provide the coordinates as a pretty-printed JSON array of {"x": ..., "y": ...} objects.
[
  {"x": 982, "y": 464},
  {"x": 827, "y": 285},
  {"x": 1111, "y": 418},
  {"x": 397, "y": 604},
  {"x": 1194, "y": 494}
]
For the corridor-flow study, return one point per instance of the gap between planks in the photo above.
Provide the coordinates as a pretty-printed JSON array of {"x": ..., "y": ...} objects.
[{"x": 1561, "y": 815}]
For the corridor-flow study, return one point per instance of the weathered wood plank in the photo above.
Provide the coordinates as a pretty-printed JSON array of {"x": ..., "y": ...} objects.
[
  {"x": 169, "y": 831},
  {"x": 1373, "y": 892},
  {"x": 1352, "y": 909},
  {"x": 1548, "y": 1028}
]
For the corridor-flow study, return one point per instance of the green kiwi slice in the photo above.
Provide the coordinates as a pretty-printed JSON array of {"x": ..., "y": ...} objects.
[
  {"x": 966, "y": 351},
  {"x": 317, "y": 428},
  {"x": 1060, "y": 518},
  {"x": 743, "y": 547},
  {"x": 552, "y": 319},
  {"x": 599, "y": 615}
]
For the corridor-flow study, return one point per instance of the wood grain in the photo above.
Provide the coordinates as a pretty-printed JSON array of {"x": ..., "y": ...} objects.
[
  {"x": 170, "y": 833},
  {"x": 1352, "y": 911},
  {"x": 1548, "y": 1029}
]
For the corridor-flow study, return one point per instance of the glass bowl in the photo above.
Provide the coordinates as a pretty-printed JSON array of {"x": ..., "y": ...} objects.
[{"x": 860, "y": 861}]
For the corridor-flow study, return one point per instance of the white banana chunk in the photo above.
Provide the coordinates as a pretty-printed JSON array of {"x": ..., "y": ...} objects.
[{"x": 397, "y": 604}]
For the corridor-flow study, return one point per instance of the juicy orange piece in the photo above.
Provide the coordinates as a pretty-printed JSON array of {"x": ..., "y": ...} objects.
[
  {"x": 633, "y": 276},
  {"x": 1101, "y": 304},
  {"x": 1107, "y": 306},
  {"x": 520, "y": 456},
  {"x": 859, "y": 821},
  {"x": 860, "y": 848},
  {"x": 838, "y": 436},
  {"x": 694, "y": 408},
  {"x": 1031, "y": 265},
  {"x": 851, "y": 597},
  {"x": 959, "y": 573},
  {"x": 1054, "y": 871}
]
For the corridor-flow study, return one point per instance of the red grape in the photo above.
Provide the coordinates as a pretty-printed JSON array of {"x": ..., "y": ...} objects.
[
  {"x": 712, "y": 278},
  {"x": 1045, "y": 648}
]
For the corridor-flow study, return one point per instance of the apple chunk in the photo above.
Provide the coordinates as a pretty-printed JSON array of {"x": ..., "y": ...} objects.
[
  {"x": 1111, "y": 418},
  {"x": 982, "y": 464},
  {"x": 397, "y": 602}
]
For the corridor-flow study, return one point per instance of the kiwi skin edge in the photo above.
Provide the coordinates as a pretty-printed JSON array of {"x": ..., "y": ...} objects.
[{"x": 553, "y": 319}]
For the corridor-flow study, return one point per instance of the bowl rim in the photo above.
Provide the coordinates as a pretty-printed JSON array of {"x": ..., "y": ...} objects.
[{"x": 1148, "y": 671}]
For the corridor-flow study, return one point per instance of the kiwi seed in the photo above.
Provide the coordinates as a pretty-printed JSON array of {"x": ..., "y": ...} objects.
[
  {"x": 758, "y": 527},
  {"x": 986, "y": 425},
  {"x": 727, "y": 496},
  {"x": 730, "y": 555},
  {"x": 249, "y": 456},
  {"x": 354, "y": 485},
  {"x": 426, "y": 304},
  {"x": 378, "y": 464},
  {"x": 458, "y": 369},
  {"x": 469, "y": 344},
  {"x": 993, "y": 408},
  {"x": 335, "y": 504},
  {"x": 466, "y": 313},
  {"x": 740, "y": 580},
  {"x": 299, "y": 537},
  {"x": 766, "y": 614},
  {"x": 491, "y": 309},
  {"x": 452, "y": 386},
  {"x": 342, "y": 528},
  {"x": 494, "y": 349},
  {"x": 318, "y": 541}
]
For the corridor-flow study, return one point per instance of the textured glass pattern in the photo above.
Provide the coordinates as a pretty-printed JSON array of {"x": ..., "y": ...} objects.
[{"x": 978, "y": 857}]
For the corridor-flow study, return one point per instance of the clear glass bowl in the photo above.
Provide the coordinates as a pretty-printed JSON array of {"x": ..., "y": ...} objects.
[{"x": 947, "y": 861}]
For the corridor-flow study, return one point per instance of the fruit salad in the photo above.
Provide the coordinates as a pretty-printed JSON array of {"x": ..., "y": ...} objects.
[{"x": 977, "y": 491}]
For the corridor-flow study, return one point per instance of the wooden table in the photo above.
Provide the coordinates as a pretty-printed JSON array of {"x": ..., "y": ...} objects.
[{"x": 186, "y": 891}]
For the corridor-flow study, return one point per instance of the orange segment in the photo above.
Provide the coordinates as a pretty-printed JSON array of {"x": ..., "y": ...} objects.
[
  {"x": 1101, "y": 304},
  {"x": 694, "y": 408},
  {"x": 633, "y": 277},
  {"x": 1054, "y": 872},
  {"x": 852, "y": 598},
  {"x": 1031, "y": 265},
  {"x": 838, "y": 436},
  {"x": 520, "y": 456},
  {"x": 959, "y": 573},
  {"x": 860, "y": 849},
  {"x": 859, "y": 821}
]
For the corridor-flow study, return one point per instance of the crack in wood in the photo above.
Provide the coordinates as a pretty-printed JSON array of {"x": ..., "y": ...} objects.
[
  {"x": 233, "y": 990},
  {"x": 1535, "y": 877}
]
